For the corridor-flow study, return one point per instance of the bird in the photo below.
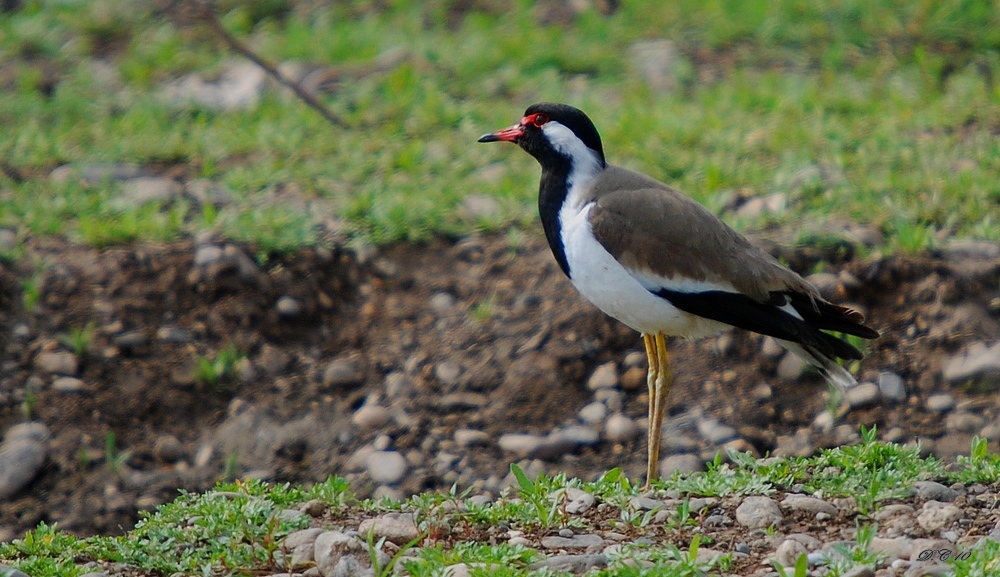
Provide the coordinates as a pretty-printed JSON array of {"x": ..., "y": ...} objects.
[{"x": 663, "y": 264}]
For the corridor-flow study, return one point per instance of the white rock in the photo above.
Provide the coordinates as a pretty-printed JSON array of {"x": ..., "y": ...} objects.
[
  {"x": 978, "y": 362},
  {"x": 593, "y": 413},
  {"x": 57, "y": 362},
  {"x": 620, "y": 428},
  {"x": 940, "y": 403},
  {"x": 520, "y": 444},
  {"x": 715, "y": 432},
  {"x": 69, "y": 385},
  {"x": 683, "y": 463},
  {"x": 791, "y": 367},
  {"x": 862, "y": 395},
  {"x": 371, "y": 416},
  {"x": 603, "y": 377},
  {"x": 386, "y": 467},
  {"x": 962, "y": 422},
  {"x": 470, "y": 437}
]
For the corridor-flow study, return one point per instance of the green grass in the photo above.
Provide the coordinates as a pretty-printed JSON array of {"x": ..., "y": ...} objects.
[
  {"x": 237, "y": 528},
  {"x": 882, "y": 112}
]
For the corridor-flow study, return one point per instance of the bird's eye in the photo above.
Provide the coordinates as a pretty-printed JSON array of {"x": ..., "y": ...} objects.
[{"x": 539, "y": 119}]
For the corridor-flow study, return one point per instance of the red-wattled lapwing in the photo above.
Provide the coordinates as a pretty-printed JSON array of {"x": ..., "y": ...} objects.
[{"x": 663, "y": 264}]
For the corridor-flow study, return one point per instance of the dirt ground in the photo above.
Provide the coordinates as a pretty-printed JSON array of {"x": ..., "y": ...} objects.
[{"x": 476, "y": 333}]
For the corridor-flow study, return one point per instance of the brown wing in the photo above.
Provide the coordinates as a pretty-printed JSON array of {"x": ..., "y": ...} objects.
[{"x": 652, "y": 228}]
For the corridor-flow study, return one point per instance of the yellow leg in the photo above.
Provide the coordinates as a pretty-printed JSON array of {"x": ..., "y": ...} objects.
[
  {"x": 653, "y": 449},
  {"x": 658, "y": 379}
]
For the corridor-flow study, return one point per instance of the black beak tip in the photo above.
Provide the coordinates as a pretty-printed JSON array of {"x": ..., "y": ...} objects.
[{"x": 488, "y": 138}]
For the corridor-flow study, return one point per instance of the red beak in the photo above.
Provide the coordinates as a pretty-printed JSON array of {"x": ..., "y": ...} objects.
[{"x": 509, "y": 134}]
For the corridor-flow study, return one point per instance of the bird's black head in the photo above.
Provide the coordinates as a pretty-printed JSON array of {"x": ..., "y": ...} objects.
[{"x": 552, "y": 132}]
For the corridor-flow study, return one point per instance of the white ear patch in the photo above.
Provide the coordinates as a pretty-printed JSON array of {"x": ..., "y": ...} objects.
[{"x": 586, "y": 162}]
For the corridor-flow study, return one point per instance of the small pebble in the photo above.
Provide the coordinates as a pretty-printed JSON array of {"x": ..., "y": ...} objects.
[
  {"x": 604, "y": 377},
  {"x": 619, "y": 428},
  {"x": 940, "y": 403},
  {"x": 371, "y": 416}
]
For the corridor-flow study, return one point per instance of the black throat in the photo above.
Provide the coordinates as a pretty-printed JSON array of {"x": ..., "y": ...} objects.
[{"x": 552, "y": 192}]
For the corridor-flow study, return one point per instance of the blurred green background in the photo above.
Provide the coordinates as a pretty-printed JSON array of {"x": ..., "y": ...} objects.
[{"x": 878, "y": 112}]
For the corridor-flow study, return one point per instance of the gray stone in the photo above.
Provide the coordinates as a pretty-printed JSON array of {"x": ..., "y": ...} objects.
[
  {"x": 8, "y": 571},
  {"x": 398, "y": 528},
  {"x": 207, "y": 254},
  {"x": 239, "y": 87},
  {"x": 757, "y": 512},
  {"x": 892, "y": 387},
  {"x": 575, "y": 564},
  {"x": 57, "y": 362},
  {"x": 168, "y": 449},
  {"x": 808, "y": 504},
  {"x": 757, "y": 206},
  {"x": 91, "y": 174},
  {"x": 593, "y": 413},
  {"x": 715, "y": 432},
  {"x": 130, "y": 340},
  {"x": 962, "y": 422},
  {"x": 288, "y": 307},
  {"x": 32, "y": 431},
  {"x": 442, "y": 302},
  {"x": 588, "y": 541},
  {"x": 641, "y": 503},
  {"x": 791, "y": 367},
  {"x": 979, "y": 363},
  {"x": 208, "y": 192},
  {"x": 604, "y": 377},
  {"x": 8, "y": 240},
  {"x": 447, "y": 373},
  {"x": 964, "y": 249},
  {"x": 578, "y": 435},
  {"x": 371, "y": 416},
  {"x": 660, "y": 64},
  {"x": 576, "y": 501},
  {"x": 935, "y": 516},
  {"x": 479, "y": 207},
  {"x": 682, "y": 463},
  {"x": 145, "y": 189},
  {"x": 797, "y": 445},
  {"x": 859, "y": 571},
  {"x": 170, "y": 334},
  {"x": 940, "y": 403},
  {"x": 470, "y": 437},
  {"x": 862, "y": 395},
  {"x": 302, "y": 555},
  {"x": 21, "y": 458},
  {"x": 69, "y": 385},
  {"x": 900, "y": 548},
  {"x": 620, "y": 428},
  {"x": 342, "y": 372},
  {"x": 330, "y": 546},
  {"x": 788, "y": 552},
  {"x": 387, "y": 467},
  {"x": 521, "y": 445}
]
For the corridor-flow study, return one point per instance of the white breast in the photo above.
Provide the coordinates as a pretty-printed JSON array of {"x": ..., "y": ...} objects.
[{"x": 616, "y": 291}]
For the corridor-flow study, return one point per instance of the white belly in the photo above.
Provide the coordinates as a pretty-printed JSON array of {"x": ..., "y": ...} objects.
[{"x": 607, "y": 284}]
